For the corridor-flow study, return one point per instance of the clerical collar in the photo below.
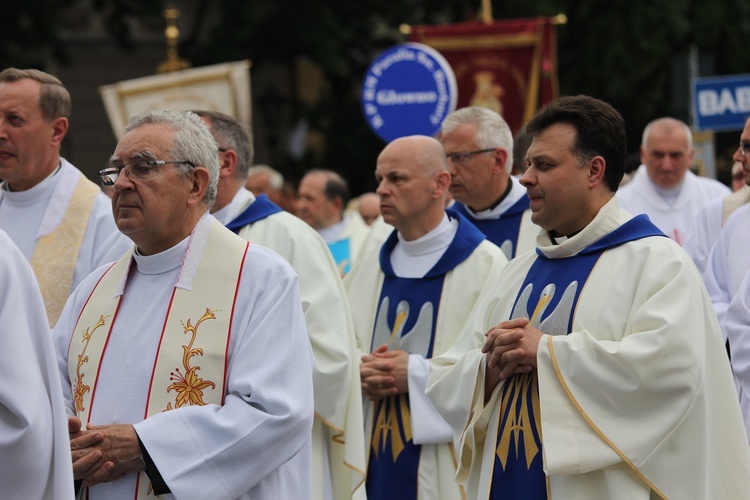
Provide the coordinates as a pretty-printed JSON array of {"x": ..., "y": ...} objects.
[
  {"x": 559, "y": 239},
  {"x": 162, "y": 262}
]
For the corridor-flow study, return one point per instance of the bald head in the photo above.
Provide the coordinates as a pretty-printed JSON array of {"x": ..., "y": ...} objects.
[
  {"x": 667, "y": 151},
  {"x": 369, "y": 207},
  {"x": 413, "y": 180},
  {"x": 424, "y": 151}
]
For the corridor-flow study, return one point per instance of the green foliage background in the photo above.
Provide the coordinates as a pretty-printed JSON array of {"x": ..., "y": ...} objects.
[{"x": 622, "y": 51}]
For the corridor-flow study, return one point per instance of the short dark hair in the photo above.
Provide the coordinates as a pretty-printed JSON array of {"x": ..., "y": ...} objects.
[
  {"x": 54, "y": 98},
  {"x": 336, "y": 186},
  {"x": 600, "y": 131},
  {"x": 231, "y": 134}
]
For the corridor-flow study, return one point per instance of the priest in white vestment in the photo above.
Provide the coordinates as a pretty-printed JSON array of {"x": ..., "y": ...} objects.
[
  {"x": 409, "y": 299},
  {"x": 714, "y": 214},
  {"x": 338, "y": 433},
  {"x": 61, "y": 221},
  {"x": 33, "y": 435},
  {"x": 479, "y": 146},
  {"x": 186, "y": 363},
  {"x": 323, "y": 195},
  {"x": 663, "y": 187},
  {"x": 595, "y": 368}
]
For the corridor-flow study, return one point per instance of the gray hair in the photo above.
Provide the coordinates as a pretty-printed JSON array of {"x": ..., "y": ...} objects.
[
  {"x": 667, "y": 122},
  {"x": 492, "y": 131},
  {"x": 231, "y": 134},
  {"x": 275, "y": 179},
  {"x": 193, "y": 142}
]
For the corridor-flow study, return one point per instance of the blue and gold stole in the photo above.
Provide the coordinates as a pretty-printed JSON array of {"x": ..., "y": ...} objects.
[
  {"x": 503, "y": 231},
  {"x": 259, "y": 209},
  {"x": 405, "y": 320},
  {"x": 548, "y": 297}
]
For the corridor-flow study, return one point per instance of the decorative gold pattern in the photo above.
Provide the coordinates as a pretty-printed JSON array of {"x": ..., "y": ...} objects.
[
  {"x": 390, "y": 423},
  {"x": 79, "y": 388},
  {"x": 189, "y": 387},
  {"x": 519, "y": 419},
  {"x": 55, "y": 254}
]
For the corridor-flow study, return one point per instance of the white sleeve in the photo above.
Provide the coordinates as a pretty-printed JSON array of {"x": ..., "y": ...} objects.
[
  {"x": 737, "y": 323},
  {"x": 715, "y": 279},
  {"x": 428, "y": 427}
]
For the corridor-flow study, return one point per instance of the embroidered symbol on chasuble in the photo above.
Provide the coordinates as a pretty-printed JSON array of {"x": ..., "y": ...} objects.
[
  {"x": 392, "y": 417},
  {"x": 79, "y": 388},
  {"x": 190, "y": 386},
  {"x": 520, "y": 410}
]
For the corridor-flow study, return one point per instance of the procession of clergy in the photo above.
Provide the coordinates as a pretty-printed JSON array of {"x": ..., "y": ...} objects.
[{"x": 499, "y": 331}]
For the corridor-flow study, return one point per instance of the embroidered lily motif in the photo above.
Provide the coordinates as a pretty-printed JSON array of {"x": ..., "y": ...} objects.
[
  {"x": 79, "y": 388},
  {"x": 190, "y": 386}
]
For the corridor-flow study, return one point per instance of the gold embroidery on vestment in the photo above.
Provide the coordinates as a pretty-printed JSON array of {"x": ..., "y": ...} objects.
[
  {"x": 519, "y": 419},
  {"x": 79, "y": 388},
  {"x": 189, "y": 387}
]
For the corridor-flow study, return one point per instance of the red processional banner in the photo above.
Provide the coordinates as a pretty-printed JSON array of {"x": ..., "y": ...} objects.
[{"x": 509, "y": 66}]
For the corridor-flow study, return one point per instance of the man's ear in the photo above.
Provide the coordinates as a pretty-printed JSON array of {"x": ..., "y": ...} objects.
[
  {"x": 442, "y": 183},
  {"x": 59, "y": 129},
  {"x": 227, "y": 163},
  {"x": 596, "y": 167},
  {"x": 501, "y": 157},
  {"x": 200, "y": 185}
]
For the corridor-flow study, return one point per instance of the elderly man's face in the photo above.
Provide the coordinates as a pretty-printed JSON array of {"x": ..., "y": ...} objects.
[
  {"x": 151, "y": 212},
  {"x": 667, "y": 156},
  {"x": 313, "y": 206}
]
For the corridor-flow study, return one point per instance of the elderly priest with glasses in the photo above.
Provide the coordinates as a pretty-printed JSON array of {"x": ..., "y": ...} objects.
[{"x": 186, "y": 367}]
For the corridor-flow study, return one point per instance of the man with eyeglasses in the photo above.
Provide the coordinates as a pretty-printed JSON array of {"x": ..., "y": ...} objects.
[
  {"x": 727, "y": 271},
  {"x": 61, "y": 221},
  {"x": 338, "y": 430},
  {"x": 409, "y": 300},
  {"x": 185, "y": 364},
  {"x": 714, "y": 214},
  {"x": 663, "y": 187},
  {"x": 479, "y": 145}
]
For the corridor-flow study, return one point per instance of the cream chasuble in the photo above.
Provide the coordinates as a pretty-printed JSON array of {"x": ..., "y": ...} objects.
[{"x": 190, "y": 367}]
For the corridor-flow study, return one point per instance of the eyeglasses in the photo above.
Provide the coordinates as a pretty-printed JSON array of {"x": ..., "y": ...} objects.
[
  {"x": 138, "y": 170},
  {"x": 744, "y": 146},
  {"x": 462, "y": 158}
]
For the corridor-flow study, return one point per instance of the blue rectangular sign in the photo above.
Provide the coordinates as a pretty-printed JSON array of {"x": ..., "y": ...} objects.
[{"x": 721, "y": 102}]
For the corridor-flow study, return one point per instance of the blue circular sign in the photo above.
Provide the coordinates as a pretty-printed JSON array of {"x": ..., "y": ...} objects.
[{"x": 408, "y": 89}]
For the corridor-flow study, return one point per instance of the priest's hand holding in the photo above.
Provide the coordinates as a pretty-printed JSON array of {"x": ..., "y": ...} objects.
[
  {"x": 117, "y": 448},
  {"x": 384, "y": 373},
  {"x": 511, "y": 347}
]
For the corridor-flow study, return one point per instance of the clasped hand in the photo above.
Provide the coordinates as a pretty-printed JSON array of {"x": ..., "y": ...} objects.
[
  {"x": 103, "y": 453},
  {"x": 511, "y": 347},
  {"x": 384, "y": 373}
]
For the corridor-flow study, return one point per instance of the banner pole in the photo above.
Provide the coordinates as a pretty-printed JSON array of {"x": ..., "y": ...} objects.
[{"x": 487, "y": 11}]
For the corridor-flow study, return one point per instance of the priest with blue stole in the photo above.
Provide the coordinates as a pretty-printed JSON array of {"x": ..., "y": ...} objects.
[
  {"x": 337, "y": 436},
  {"x": 409, "y": 299},
  {"x": 479, "y": 146},
  {"x": 186, "y": 369},
  {"x": 595, "y": 368}
]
